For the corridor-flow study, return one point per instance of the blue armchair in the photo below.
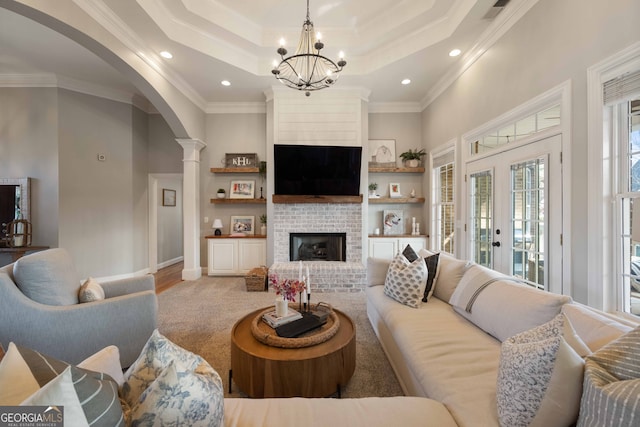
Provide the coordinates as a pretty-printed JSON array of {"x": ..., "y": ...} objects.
[{"x": 39, "y": 309}]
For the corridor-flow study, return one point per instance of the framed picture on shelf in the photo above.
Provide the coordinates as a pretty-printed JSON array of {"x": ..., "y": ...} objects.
[
  {"x": 394, "y": 190},
  {"x": 168, "y": 197},
  {"x": 243, "y": 224},
  {"x": 242, "y": 189},
  {"x": 382, "y": 153},
  {"x": 392, "y": 222}
]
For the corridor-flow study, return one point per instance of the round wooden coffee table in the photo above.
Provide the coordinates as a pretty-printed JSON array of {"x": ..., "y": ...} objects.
[{"x": 320, "y": 370}]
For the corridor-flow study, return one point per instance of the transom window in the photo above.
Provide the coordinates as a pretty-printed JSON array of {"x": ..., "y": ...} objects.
[{"x": 518, "y": 130}]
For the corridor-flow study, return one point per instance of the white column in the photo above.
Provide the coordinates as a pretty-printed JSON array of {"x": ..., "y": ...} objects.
[{"x": 191, "y": 207}]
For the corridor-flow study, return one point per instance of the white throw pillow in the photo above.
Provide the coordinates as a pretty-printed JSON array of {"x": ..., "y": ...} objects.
[
  {"x": 196, "y": 397},
  {"x": 405, "y": 281},
  {"x": 106, "y": 361},
  {"x": 540, "y": 377},
  {"x": 90, "y": 291},
  {"x": 450, "y": 271},
  {"x": 377, "y": 271}
]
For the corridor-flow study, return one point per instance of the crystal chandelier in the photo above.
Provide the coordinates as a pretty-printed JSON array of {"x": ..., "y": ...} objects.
[{"x": 307, "y": 70}]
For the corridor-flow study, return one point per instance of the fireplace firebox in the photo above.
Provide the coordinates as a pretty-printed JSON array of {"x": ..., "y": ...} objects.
[{"x": 317, "y": 246}]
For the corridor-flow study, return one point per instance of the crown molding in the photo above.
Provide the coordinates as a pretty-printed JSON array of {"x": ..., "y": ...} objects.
[
  {"x": 236, "y": 108},
  {"x": 498, "y": 28},
  {"x": 99, "y": 11},
  {"x": 45, "y": 80}
]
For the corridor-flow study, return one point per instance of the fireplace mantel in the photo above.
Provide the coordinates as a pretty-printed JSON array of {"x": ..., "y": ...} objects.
[{"x": 280, "y": 198}]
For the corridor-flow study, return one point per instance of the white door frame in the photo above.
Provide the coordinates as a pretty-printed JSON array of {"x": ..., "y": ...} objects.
[
  {"x": 560, "y": 94},
  {"x": 153, "y": 215}
]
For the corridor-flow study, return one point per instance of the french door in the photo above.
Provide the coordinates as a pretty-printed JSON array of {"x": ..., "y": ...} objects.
[{"x": 514, "y": 205}]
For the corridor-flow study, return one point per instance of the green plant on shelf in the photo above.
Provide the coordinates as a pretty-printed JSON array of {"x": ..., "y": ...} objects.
[
  {"x": 263, "y": 219},
  {"x": 373, "y": 186},
  {"x": 412, "y": 154}
]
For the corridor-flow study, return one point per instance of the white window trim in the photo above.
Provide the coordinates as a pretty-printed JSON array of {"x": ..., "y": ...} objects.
[
  {"x": 602, "y": 292},
  {"x": 440, "y": 151},
  {"x": 559, "y": 94}
]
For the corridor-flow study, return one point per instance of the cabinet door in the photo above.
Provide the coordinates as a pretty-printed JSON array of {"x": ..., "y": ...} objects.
[
  {"x": 251, "y": 253},
  {"x": 416, "y": 243},
  {"x": 223, "y": 256},
  {"x": 383, "y": 248}
]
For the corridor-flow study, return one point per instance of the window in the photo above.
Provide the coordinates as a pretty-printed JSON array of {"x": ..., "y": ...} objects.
[
  {"x": 627, "y": 141},
  {"x": 443, "y": 229}
]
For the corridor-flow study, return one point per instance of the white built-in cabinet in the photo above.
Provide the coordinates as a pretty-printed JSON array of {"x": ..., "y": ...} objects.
[
  {"x": 235, "y": 256},
  {"x": 388, "y": 246}
]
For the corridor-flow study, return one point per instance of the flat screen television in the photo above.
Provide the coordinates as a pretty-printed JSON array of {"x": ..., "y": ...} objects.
[{"x": 317, "y": 170}]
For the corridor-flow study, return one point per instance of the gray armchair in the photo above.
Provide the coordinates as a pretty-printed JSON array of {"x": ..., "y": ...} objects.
[{"x": 39, "y": 309}]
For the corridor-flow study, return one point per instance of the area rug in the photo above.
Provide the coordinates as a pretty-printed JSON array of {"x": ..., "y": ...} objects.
[{"x": 198, "y": 315}]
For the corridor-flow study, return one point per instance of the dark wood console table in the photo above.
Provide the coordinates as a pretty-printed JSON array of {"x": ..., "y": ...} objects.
[{"x": 19, "y": 252}]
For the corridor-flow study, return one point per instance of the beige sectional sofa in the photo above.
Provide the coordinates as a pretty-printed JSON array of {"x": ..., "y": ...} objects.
[{"x": 445, "y": 353}]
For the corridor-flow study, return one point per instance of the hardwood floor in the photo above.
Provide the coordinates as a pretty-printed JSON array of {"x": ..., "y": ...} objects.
[{"x": 168, "y": 277}]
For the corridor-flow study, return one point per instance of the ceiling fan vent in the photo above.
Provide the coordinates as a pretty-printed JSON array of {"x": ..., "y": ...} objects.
[{"x": 496, "y": 9}]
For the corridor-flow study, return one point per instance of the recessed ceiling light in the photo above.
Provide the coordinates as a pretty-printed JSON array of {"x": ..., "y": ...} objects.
[
  {"x": 225, "y": 83},
  {"x": 405, "y": 81},
  {"x": 166, "y": 54},
  {"x": 454, "y": 52}
]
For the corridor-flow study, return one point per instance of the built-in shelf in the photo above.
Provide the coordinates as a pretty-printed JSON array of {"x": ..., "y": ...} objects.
[
  {"x": 235, "y": 236},
  {"x": 397, "y": 236},
  {"x": 239, "y": 201},
  {"x": 395, "y": 170},
  {"x": 395, "y": 200},
  {"x": 280, "y": 198},
  {"x": 235, "y": 170}
]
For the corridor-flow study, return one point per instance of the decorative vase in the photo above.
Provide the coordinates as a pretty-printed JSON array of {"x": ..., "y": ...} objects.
[
  {"x": 221, "y": 195},
  {"x": 413, "y": 163},
  {"x": 282, "y": 306},
  {"x": 263, "y": 230}
]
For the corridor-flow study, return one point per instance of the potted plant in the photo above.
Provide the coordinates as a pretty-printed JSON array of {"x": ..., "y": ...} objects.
[
  {"x": 372, "y": 189},
  {"x": 412, "y": 157},
  {"x": 263, "y": 221},
  {"x": 221, "y": 193}
]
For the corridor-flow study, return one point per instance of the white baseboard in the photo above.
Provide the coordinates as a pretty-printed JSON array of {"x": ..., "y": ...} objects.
[{"x": 170, "y": 262}]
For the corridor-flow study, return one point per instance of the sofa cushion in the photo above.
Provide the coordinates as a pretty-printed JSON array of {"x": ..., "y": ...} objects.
[
  {"x": 450, "y": 271},
  {"x": 405, "y": 281},
  {"x": 456, "y": 364},
  {"x": 48, "y": 277},
  {"x": 611, "y": 393},
  {"x": 377, "y": 271},
  {"x": 594, "y": 327},
  {"x": 196, "y": 396},
  {"x": 540, "y": 377},
  {"x": 90, "y": 291},
  {"x": 524, "y": 306},
  {"x": 364, "y": 412},
  {"x": 89, "y": 398},
  {"x": 155, "y": 356},
  {"x": 107, "y": 361}
]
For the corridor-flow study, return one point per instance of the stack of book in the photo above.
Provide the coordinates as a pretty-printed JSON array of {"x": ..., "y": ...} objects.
[{"x": 274, "y": 321}]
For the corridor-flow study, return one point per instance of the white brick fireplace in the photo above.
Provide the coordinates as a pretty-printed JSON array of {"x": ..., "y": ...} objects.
[{"x": 336, "y": 116}]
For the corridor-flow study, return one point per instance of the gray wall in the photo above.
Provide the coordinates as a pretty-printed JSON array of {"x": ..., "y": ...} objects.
[
  {"x": 97, "y": 222},
  {"x": 29, "y": 148},
  {"x": 165, "y": 154},
  {"x": 555, "y": 41}
]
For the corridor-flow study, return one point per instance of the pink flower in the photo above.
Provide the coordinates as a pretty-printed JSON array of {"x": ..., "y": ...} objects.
[{"x": 288, "y": 288}]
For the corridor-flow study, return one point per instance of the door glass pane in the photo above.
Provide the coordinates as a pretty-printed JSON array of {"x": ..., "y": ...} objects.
[
  {"x": 527, "y": 219},
  {"x": 482, "y": 217}
]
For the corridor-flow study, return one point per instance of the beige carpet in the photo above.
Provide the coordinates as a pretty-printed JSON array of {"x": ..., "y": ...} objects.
[{"x": 198, "y": 315}]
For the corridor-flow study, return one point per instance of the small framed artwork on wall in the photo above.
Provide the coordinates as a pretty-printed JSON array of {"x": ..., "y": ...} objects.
[
  {"x": 168, "y": 197},
  {"x": 392, "y": 222},
  {"x": 242, "y": 189},
  {"x": 243, "y": 224},
  {"x": 394, "y": 190}
]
